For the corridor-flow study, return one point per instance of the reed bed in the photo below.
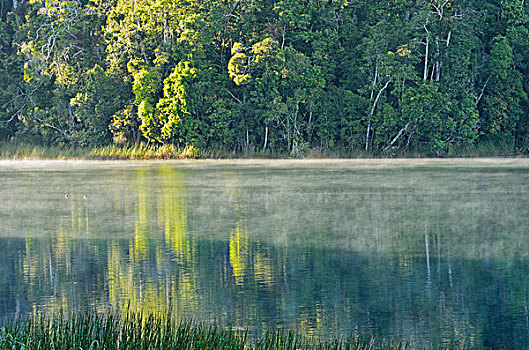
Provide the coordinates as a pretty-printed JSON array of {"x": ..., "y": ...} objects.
[
  {"x": 144, "y": 151},
  {"x": 136, "y": 331},
  {"x": 138, "y": 151},
  {"x": 17, "y": 150}
]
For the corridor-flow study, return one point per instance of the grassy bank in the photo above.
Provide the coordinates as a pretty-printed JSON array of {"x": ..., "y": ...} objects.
[
  {"x": 134, "y": 331},
  {"x": 16, "y": 150},
  {"x": 141, "y": 151}
]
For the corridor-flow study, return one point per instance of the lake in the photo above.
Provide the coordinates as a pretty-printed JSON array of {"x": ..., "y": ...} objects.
[{"x": 429, "y": 251}]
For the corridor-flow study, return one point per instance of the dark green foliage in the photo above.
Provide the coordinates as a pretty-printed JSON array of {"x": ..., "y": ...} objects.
[{"x": 277, "y": 77}]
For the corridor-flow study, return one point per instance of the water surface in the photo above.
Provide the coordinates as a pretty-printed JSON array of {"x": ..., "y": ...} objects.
[{"x": 424, "y": 250}]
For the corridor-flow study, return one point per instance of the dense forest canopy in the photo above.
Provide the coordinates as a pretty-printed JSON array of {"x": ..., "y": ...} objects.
[{"x": 276, "y": 76}]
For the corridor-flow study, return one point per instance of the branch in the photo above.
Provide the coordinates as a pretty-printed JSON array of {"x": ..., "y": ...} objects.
[
  {"x": 232, "y": 15},
  {"x": 57, "y": 129},
  {"x": 397, "y": 137},
  {"x": 440, "y": 9},
  {"x": 9, "y": 120},
  {"x": 483, "y": 90},
  {"x": 235, "y": 5},
  {"x": 46, "y": 124},
  {"x": 233, "y": 96},
  {"x": 378, "y": 97},
  {"x": 373, "y": 111}
]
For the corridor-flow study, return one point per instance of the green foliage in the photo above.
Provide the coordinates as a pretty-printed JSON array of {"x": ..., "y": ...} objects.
[
  {"x": 437, "y": 122},
  {"x": 280, "y": 76},
  {"x": 172, "y": 109},
  {"x": 504, "y": 100},
  {"x": 94, "y": 105}
]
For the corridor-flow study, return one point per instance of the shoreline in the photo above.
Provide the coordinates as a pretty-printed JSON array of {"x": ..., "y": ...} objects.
[{"x": 20, "y": 151}]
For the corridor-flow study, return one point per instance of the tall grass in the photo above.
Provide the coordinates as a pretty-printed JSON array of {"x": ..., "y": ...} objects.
[
  {"x": 137, "y": 331},
  {"x": 15, "y": 150},
  {"x": 491, "y": 148},
  {"x": 144, "y": 151}
]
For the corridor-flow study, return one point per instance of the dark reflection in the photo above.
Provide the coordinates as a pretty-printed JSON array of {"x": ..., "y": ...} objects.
[{"x": 427, "y": 254}]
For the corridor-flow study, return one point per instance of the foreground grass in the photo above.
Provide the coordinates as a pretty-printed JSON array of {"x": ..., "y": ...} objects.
[{"x": 134, "y": 331}]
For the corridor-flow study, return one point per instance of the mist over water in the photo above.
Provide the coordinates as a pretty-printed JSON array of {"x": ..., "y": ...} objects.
[{"x": 424, "y": 250}]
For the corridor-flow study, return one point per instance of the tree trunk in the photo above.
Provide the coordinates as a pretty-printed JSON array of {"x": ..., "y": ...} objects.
[
  {"x": 373, "y": 111},
  {"x": 247, "y": 140},
  {"x": 397, "y": 137},
  {"x": 165, "y": 27},
  {"x": 266, "y": 138},
  {"x": 425, "y": 74}
]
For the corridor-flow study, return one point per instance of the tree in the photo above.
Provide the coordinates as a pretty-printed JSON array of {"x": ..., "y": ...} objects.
[{"x": 504, "y": 98}]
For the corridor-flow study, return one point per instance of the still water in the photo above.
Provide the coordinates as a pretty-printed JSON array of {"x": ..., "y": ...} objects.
[{"x": 427, "y": 251}]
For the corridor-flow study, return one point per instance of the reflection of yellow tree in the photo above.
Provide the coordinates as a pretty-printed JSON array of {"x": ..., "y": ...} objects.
[
  {"x": 115, "y": 282},
  {"x": 145, "y": 211},
  {"x": 242, "y": 258},
  {"x": 239, "y": 235},
  {"x": 239, "y": 251},
  {"x": 129, "y": 288},
  {"x": 185, "y": 292},
  {"x": 311, "y": 320},
  {"x": 172, "y": 214},
  {"x": 128, "y": 292},
  {"x": 263, "y": 270},
  {"x": 172, "y": 217}
]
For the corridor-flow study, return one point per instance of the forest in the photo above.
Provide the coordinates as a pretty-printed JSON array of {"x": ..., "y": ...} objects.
[{"x": 281, "y": 77}]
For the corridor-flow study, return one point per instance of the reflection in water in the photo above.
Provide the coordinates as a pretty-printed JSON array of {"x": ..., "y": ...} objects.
[
  {"x": 397, "y": 252},
  {"x": 239, "y": 252}
]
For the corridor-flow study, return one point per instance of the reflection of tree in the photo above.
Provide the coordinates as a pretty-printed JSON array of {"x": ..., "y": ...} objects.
[
  {"x": 238, "y": 239},
  {"x": 143, "y": 229},
  {"x": 172, "y": 214},
  {"x": 263, "y": 268},
  {"x": 172, "y": 218},
  {"x": 239, "y": 252},
  {"x": 143, "y": 275}
]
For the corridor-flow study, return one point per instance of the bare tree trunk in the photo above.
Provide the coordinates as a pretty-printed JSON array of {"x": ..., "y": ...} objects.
[
  {"x": 374, "y": 82},
  {"x": 425, "y": 74},
  {"x": 438, "y": 63},
  {"x": 373, "y": 111},
  {"x": 165, "y": 27},
  {"x": 433, "y": 72},
  {"x": 247, "y": 140},
  {"x": 266, "y": 138},
  {"x": 397, "y": 137},
  {"x": 483, "y": 90}
]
